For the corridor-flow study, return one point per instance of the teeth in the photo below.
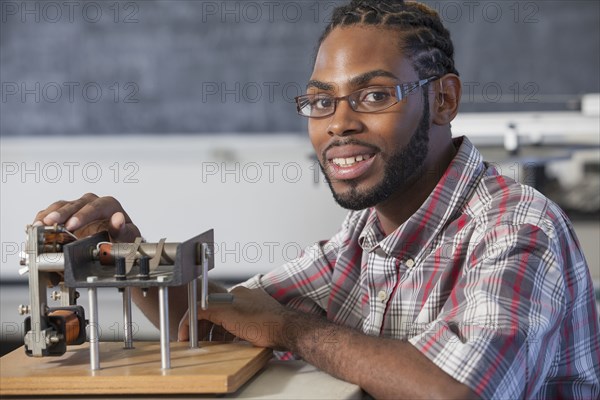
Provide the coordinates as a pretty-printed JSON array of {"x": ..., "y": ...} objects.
[{"x": 346, "y": 162}]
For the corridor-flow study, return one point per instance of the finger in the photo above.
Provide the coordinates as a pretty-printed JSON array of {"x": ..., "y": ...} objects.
[
  {"x": 183, "y": 333},
  {"x": 121, "y": 230},
  {"x": 117, "y": 222},
  {"x": 62, "y": 214},
  {"x": 43, "y": 213},
  {"x": 98, "y": 209}
]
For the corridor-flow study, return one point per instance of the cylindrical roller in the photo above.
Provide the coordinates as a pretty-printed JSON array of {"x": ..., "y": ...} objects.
[
  {"x": 107, "y": 252},
  {"x": 51, "y": 262}
]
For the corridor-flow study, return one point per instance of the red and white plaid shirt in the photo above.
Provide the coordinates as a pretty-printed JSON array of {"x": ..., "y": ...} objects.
[{"x": 487, "y": 279}]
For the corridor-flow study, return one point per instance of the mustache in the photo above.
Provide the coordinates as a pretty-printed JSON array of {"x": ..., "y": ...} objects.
[{"x": 346, "y": 142}]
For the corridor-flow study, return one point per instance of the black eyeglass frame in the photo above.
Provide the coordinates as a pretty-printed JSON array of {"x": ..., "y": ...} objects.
[{"x": 402, "y": 91}]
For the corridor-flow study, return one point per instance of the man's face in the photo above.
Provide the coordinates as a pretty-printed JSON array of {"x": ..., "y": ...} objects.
[{"x": 367, "y": 157}]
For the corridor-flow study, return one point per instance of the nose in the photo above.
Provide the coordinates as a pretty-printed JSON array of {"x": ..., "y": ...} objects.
[{"x": 344, "y": 121}]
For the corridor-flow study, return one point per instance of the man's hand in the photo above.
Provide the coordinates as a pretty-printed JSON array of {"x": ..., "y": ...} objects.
[
  {"x": 90, "y": 214},
  {"x": 253, "y": 316}
]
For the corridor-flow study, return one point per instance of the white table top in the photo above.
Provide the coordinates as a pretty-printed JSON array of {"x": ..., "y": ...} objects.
[{"x": 295, "y": 380}]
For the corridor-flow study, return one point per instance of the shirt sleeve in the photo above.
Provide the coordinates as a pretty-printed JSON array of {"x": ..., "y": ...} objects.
[{"x": 500, "y": 327}]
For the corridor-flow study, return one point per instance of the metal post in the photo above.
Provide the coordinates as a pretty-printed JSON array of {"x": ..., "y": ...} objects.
[
  {"x": 204, "y": 294},
  {"x": 93, "y": 324},
  {"x": 193, "y": 313},
  {"x": 163, "y": 304},
  {"x": 127, "y": 321}
]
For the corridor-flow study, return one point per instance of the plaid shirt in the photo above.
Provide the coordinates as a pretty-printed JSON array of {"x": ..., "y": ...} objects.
[{"x": 487, "y": 280}]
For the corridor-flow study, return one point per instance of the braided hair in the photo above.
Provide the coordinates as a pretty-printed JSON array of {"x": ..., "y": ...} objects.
[{"x": 423, "y": 36}]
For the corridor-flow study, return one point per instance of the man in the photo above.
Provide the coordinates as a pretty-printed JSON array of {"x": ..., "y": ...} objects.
[{"x": 446, "y": 279}]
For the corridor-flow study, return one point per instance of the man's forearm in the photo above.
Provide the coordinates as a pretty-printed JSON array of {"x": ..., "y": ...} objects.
[{"x": 385, "y": 368}]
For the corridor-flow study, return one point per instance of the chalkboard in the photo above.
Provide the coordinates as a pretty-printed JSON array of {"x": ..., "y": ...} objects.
[{"x": 181, "y": 66}]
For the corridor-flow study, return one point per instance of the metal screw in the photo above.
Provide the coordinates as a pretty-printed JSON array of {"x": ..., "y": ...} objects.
[
  {"x": 55, "y": 295},
  {"x": 53, "y": 339}
]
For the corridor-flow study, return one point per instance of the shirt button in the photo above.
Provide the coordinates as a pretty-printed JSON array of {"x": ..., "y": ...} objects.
[
  {"x": 410, "y": 263},
  {"x": 382, "y": 295}
]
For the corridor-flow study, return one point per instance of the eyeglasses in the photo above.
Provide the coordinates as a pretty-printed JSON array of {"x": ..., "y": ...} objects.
[{"x": 367, "y": 100}]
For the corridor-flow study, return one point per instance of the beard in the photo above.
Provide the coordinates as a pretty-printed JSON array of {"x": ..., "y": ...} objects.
[{"x": 403, "y": 168}]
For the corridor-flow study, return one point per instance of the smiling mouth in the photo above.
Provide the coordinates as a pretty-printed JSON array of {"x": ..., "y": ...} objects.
[
  {"x": 350, "y": 161},
  {"x": 351, "y": 167}
]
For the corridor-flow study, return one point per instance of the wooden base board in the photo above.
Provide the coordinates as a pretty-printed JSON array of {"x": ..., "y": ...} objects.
[{"x": 213, "y": 368}]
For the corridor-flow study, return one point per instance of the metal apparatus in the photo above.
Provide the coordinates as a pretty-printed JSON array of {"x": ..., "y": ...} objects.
[{"x": 55, "y": 257}]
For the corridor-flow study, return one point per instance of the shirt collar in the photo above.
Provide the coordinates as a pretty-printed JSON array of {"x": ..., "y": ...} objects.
[
  {"x": 372, "y": 233},
  {"x": 443, "y": 205}
]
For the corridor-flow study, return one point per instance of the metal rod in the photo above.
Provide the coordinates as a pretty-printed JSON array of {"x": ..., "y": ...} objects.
[
  {"x": 51, "y": 262},
  {"x": 167, "y": 256},
  {"x": 127, "y": 321},
  {"x": 93, "y": 324},
  {"x": 193, "y": 313},
  {"x": 204, "y": 294},
  {"x": 163, "y": 304}
]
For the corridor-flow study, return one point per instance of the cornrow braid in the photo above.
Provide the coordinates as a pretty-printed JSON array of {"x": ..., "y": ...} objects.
[{"x": 424, "y": 39}]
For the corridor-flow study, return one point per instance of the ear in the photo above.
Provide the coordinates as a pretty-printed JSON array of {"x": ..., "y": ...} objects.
[{"x": 447, "y": 92}]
